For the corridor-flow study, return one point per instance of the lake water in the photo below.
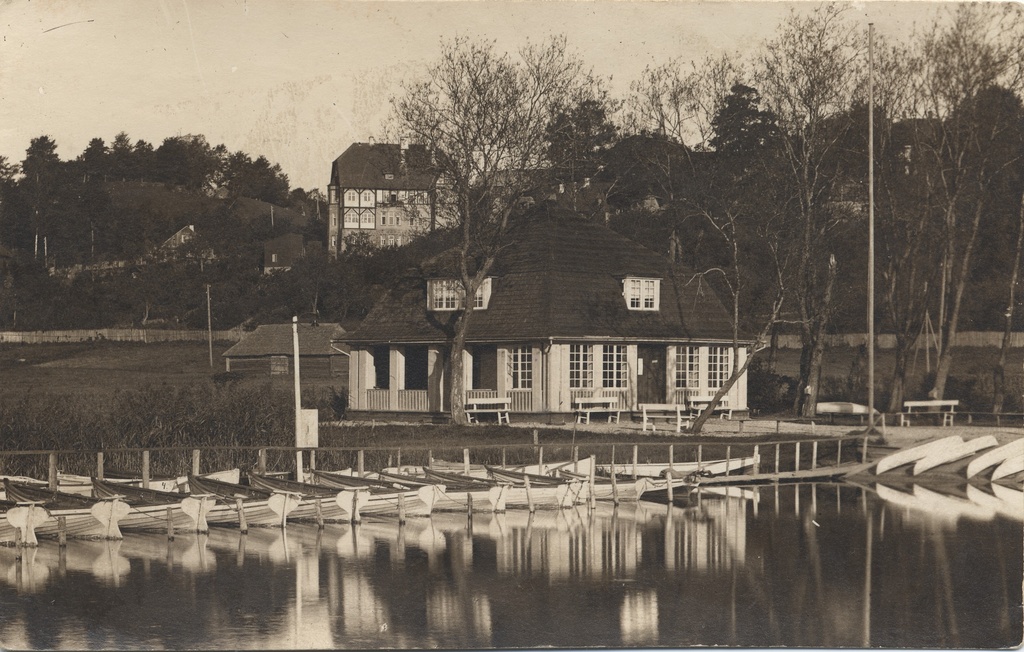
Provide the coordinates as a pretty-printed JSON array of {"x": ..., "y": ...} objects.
[{"x": 795, "y": 565}]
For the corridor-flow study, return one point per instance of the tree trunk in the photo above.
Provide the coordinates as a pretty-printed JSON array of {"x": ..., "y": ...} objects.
[
  {"x": 999, "y": 373},
  {"x": 457, "y": 397},
  {"x": 949, "y": 333},
  {"x": 698, "y": 424},
  {"x": 901, "y": 356}
]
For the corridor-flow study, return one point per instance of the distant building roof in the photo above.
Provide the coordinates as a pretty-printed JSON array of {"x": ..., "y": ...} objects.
[
  {"x": 365, "y": 165},
  {"x": 562, "y": 277},
  {"x": 276, "y": 339},
  {"x": 282, "y": 251}
]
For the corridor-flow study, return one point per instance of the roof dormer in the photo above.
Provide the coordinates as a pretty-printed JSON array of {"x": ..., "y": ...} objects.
[{"x": 642, "y": 293}]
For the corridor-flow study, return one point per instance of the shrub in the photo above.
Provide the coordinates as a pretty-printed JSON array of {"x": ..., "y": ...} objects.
[{"x": 767, "y": 391}]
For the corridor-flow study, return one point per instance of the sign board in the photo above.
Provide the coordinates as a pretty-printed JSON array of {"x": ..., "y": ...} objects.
[{"x": 309, "y": 429}]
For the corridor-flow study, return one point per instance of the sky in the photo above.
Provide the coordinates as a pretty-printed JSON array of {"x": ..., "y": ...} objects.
[{"x": 299, "y": 80}]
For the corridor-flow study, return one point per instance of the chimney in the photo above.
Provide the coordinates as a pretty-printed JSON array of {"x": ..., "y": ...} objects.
[
  {"x": 372, "y": 141},
  {"x": 403, "y": 148}
]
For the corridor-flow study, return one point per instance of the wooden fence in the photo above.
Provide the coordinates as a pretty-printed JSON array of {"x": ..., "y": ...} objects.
[
  {"x": 117, "y": 335},
  {"x": 888, "y": 340}
]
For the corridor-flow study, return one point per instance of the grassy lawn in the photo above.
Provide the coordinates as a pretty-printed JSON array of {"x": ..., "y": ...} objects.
[{"x": 103, "y": 367}]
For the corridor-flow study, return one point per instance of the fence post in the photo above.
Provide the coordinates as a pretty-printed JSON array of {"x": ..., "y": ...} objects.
[
  {"x": 502, "y": 456},
  {"x": 814, "y": 454},
  {"x": 62, "y": 531},
  {"x": 757, "y": 459},
  {"x": 728, "y": 458},
  {"x": 99, "y": 465},
  {"x": 53, "y": 472},
  {"x": 359, "y": 463},
  {"x": 145, "y": 469},
  {"x": 700, "y": 454},
  {"x": 776, "y": 459},
  {"x": 839, "y": 452},
  {"x": 864, "y": 452},
  {"x": 401, "y": 507},
  {"x": 243, "y": 526},
  {"x": 399, "y": 461},
  {"x": 540, "y": 459},
  {"x": 195, "y": 461},
  {"x": 465, "y": 461},
  {"x": 671, "y": 455},
  {"x": 636, "y": 454},
  {"x": 262, "y": 461},
  {"x": 312, "y": 459},
  {"x": 796, "y": 461},
  {"x": 170, "y": 523},
  {"x": 529, "y": 496}
]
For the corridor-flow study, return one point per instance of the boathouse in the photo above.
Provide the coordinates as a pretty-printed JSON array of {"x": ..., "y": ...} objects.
[
  {"x": 570, "y": 310},
  {"x": 270, "y": 350}
]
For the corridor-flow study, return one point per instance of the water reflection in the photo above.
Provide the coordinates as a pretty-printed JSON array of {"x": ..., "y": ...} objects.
[{"x": 807, "y": 565}]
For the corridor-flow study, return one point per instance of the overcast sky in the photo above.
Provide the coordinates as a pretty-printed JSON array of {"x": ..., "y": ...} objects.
[{"x": 298, "y": 81}]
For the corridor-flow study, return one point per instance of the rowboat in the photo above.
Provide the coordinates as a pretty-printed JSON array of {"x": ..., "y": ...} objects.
[
  {"x": 82, "y": 484},
  {"x": 345, "y": 481},
  {"x": 915, "y": 453},
  {"x": 379, "y": 501},
  {"x": 528, "y": 489},
  {"x": 244, "y": 505},
  {"x": 995, "y": 457},
  {"x": 461, "y": 491},
  {"x": 328, "y": 511},
  {"x": 151, "y": 508},
  {"x": 84, "y": 516},
  {"x": 681, "y": 469},
  {"x": 949, "y": 454},
  {"x": 626, "y": 489},
  {"x": 22, "y": 518},
  {"x": 1009, "y": 468}
]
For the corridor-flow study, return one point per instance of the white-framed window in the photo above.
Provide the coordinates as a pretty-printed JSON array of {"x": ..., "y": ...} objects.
[
  {"x": 367, "y": 198},
  {"x": 351, "y": 218},
  {"x": 642, "y": 293},
  {"x": 687, "y": 367},
  {"x": 334, "y": 242},
  {"x": 719, "y": 365},
  {"x": 444, "y": 294},
  {"x": 366, "y": 220},
  {"x": 613, "y": 365},
  {"x": 447, "y": 294},
  {"x": 483, "y": 295},
  {"x": 391, "y": 241},
  {"x": 351, "y": 198},
  {"x": 273, "y": 258},
  {"x": 383, "y": 241},
  {"x": 581, "y": 366},
  {"x": 522, "y": 367}
]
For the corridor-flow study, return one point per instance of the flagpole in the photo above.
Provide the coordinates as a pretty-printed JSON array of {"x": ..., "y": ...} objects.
[{"x": 871, "y": 227}]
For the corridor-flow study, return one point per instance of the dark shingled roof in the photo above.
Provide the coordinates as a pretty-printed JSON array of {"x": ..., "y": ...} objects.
[
  {"x": 561, "y": 278},
  {"x": 276, "y": 339},
  {"x": 363, "y": 165}
]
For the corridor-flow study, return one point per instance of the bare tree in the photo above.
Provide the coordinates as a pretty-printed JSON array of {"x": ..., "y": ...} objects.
[
  {"x": 484, "y": 113},
  {"x": 809, "y": 77},
  {"x": 964, "y": 58}
]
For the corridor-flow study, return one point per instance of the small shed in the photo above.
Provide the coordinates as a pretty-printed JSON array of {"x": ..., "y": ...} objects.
[{"x": 269, "y": 349}]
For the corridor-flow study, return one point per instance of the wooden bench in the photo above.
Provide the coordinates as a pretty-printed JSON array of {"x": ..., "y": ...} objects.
[
  {"x": 669, "y": 411},
  {"x": 947, "y": 408},
  {"x": 698, "y": 405},
  {"x": 584, "y": 406},
  {"x": 499, "y": 405}
]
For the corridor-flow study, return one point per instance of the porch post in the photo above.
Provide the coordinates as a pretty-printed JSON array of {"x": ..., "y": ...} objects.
[
  {"x": 435, "y": 379},
  {"x": 502, "y": 372},
  {"x": 703, "y": 354},
  {"x": 670, "y": 373},
  {"x": 631, "y": 365},
  {"x": 396, "y": 373},
  {"x": 467, "y": 369},
  {"x": 741, "y": 383},
  {"x": 540, "y": 375}
]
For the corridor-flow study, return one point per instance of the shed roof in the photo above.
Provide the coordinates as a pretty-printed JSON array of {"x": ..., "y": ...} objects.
[
  {"x": 560, "y": 278},
  {"x": 365, "y": 165},
  {"x": 276, "y": 339}
]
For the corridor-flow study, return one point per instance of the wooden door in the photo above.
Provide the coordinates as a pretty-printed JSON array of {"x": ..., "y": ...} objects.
[{"x": 650, "y": 370}]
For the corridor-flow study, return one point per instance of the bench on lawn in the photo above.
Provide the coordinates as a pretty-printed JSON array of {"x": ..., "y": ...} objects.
[
  {"x": 698, "y": 405},
  {"x": 499, "y": 405},
  {"x": 585, "y": 405},
  {"x": 668, "y": 411},
  {"x": 947, "y": 408}
]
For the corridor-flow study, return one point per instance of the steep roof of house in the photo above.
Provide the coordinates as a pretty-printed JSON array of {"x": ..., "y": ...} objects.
[
  {"x": 561, "y": 277},
  {"x": 363, "y": 165},
  {"x": 276, "y": 339}
]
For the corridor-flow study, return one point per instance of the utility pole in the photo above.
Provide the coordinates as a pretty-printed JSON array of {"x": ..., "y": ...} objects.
[
  {"x": 209, "y": 324},
  {"x": 871, "y": 227},
  {"x": 298, "y": 399}
]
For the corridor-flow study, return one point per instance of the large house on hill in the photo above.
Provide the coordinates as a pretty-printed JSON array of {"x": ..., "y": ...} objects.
[
  {"x": 385, "y": 192},
  {"x": 571, "y": 310}
]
